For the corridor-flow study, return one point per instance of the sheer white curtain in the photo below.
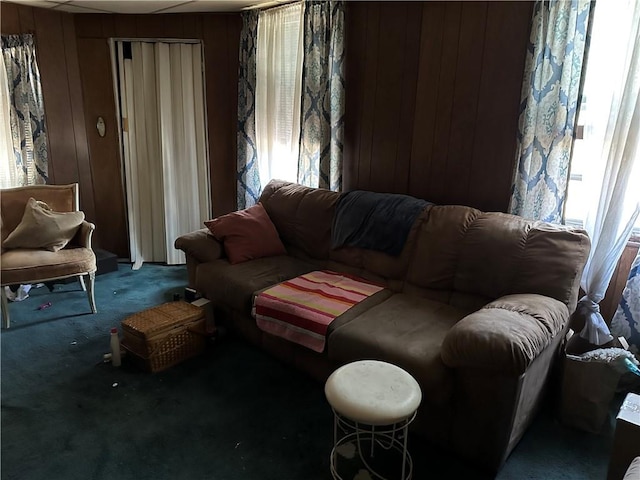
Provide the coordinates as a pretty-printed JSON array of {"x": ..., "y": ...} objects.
[
  {"x": 278, "y": 92},
  {"x": 165, "y": 146},
  {"x": 612, "y": 126}
]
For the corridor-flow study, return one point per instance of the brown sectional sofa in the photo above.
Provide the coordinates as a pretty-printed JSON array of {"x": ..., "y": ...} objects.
[{"x": 476, "y": 307}]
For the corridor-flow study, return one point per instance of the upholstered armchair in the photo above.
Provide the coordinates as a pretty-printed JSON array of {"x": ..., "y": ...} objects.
[{"x": 34, "y": 222}]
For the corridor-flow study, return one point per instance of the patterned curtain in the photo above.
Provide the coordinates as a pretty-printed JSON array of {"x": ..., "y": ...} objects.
[
  {"x": 248, "y": 179},
  {"x": 626, "y": 321},
  {"x": 26, "y": 109},
  {"x": 550, "y": 100},
  {"x": 322, "y": 117}
]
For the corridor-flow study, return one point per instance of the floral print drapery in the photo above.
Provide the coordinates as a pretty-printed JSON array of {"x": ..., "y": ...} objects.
[
  {"x": 550, "y": 100},
  {"x": 26, "y": 110},
  {"x": 248, "y": 179},
  {"x": 322, "y": 118}
]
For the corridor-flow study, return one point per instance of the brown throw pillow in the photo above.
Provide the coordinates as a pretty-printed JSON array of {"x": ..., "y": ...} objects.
[
  {"x": 247, "y": 234},
  {"x": 41, "y": 227}
]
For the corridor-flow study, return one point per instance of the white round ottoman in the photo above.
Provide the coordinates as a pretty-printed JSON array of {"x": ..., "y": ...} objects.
[{"x": 373, "y": 404}]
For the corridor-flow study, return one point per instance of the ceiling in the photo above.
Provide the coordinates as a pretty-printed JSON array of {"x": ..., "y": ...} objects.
[{"x": 148, "y": 6}]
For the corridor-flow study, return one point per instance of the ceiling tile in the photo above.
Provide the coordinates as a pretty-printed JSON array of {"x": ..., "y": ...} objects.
[
  {"x": 37, "y": 3},
  {"x": 146, "y": 6},
  {"x": 211, "y": 6},
  {"x": 84, "y": 8},
  {"x": 125, "y": 6}
]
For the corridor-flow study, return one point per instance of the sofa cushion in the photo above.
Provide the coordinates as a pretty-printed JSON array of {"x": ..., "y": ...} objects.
[
  {"x": 234, "y": 285},
  {"x": 496, "y": 254},
  {"x": 41, "y": 227},
  {"x": 302, "y": 215},
  {"x": 464, "y": 301},
  {"x": 434, "y": 261},
  {"x": 552, "y": 263},
  {"x": 490, "y": 253},
  {"x": 381, "y": 264},
  {"x": 247, "y": 234},
  {"x": 521, "y": 256},
  {"x": 403, "y": 330}
]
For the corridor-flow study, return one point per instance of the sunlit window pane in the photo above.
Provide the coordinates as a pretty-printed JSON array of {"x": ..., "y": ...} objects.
[{"x": 606, "y": 73}]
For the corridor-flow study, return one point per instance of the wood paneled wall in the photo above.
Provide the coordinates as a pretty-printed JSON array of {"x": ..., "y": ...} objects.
[
  {"x": 432, "y": 95},
  {"x": 56, "y": 51},
  {"x": 220, "y": 34},
  {"x": 75, "y": 65}
]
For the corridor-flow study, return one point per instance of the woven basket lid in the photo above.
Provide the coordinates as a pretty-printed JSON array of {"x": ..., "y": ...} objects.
[{"x": 161, "y": 318}]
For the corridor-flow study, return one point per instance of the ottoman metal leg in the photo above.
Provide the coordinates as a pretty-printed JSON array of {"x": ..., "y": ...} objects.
[{"x": 390, "y": 438}]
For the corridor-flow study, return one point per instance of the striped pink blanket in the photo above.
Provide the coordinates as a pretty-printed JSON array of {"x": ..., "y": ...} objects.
[{"x": 302, "y": 308}]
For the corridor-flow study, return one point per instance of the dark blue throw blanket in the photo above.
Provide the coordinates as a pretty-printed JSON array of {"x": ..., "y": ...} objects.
[{"x": 377, "y": 221}]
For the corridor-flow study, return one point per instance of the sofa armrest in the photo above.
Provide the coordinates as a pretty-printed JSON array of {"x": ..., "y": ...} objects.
[
  {"x": 505, "y": 335},
  {"x": 201, "y": 245}
]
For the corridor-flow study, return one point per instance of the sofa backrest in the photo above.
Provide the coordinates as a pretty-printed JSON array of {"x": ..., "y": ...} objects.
[
  {"x": 378, "y": 266},
  {"x": 470, "y": 254},
  {"x": 302, "y": 216},
  {"x": 454, "y": 254}
]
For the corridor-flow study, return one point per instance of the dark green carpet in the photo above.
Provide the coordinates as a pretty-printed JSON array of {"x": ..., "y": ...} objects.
[{"x": 233, "y": 413}]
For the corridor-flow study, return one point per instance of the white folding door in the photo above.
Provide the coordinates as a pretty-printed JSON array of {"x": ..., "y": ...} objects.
[{"x": 164, "y": 144}]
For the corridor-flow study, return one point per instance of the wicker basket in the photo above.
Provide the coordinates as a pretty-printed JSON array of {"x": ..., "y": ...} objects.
[{"x": 163, "y": 336}]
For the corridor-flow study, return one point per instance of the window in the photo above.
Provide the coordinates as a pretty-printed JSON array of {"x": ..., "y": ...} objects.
[
  {"x": 609, "y": 66},
  {"x": 278, "y": 91}
]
